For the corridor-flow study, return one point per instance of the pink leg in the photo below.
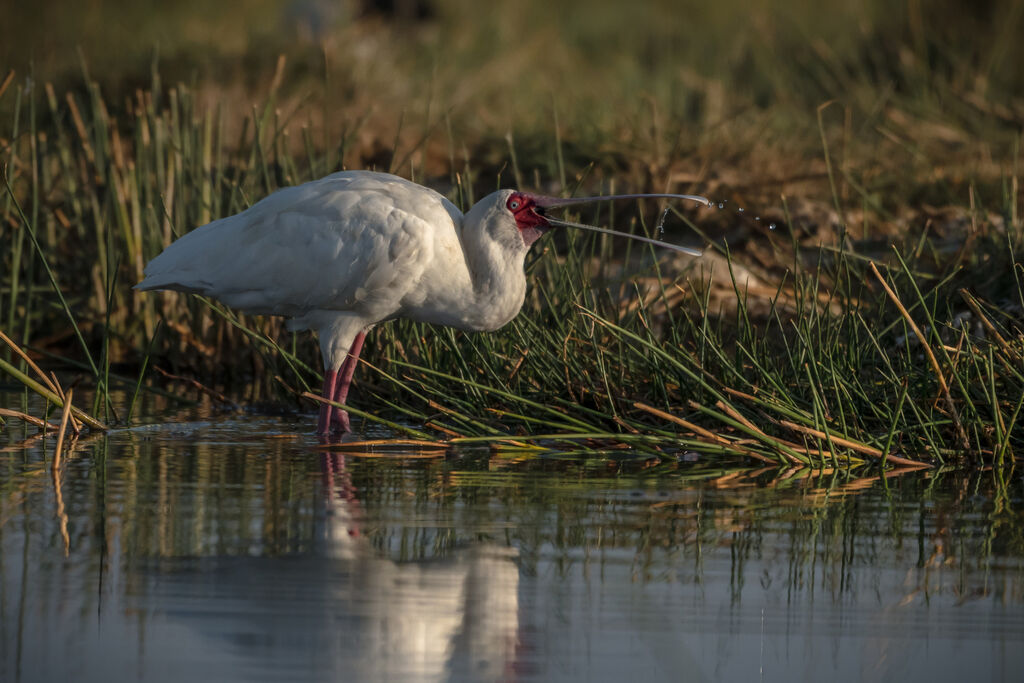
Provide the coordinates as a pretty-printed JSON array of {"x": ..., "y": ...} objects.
[
  {"x": 348, "y": 369},
  {"x": 342, "y": 503},
  {"x": 323, "y": 425}
]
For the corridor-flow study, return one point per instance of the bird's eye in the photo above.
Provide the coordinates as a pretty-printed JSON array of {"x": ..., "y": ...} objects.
[{"x": 514, "y": 204}]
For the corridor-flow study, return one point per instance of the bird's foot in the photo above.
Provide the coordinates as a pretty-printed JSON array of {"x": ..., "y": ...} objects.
[
  {"x": 340, "y": 424},
  {"x": 335, "y": 427}
]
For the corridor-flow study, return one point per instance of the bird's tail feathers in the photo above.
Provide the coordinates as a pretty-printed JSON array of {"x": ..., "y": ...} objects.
[{"x": 152, "y": 282}]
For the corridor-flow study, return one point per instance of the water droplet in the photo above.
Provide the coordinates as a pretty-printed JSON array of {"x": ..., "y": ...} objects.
[
  {"x": 721, "y": 205},
  {"x": 771, "y": 227},
  {"x": 661, "y": 223},
  {"x": 741, "y": 209},
  {"x": 757, "y": 218}
]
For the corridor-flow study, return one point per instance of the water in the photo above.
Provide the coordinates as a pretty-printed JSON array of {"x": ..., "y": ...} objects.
[
  {"x": 721, "y": 205},
  {"x": 235, "y": 549},
  {"x": 661, "y": 222}
]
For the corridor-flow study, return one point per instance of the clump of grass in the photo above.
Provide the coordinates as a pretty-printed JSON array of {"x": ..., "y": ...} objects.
[
  {"x": 805, "y": 386},
  {"x": 814, "y": 344}
]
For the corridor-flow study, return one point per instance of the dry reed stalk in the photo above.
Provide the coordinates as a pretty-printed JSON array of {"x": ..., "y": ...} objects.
[
  {"x": 61, "y": 513},
  {"x": 61, "y": 431},
  {"x": 734, "y": 414},
  {"x": 75, "y": 427},
  {"x": 961, "y": 434},
  {"x": 852, "y": 445},
  {"x": 50, "y": 396},
  {"x": 28, "y": 361},
  {"x": 38, "y": 422},
  {"x": 700, "y": 431},
  {"x": 7, "y": 82},
  {"x": 386, "y": 443},
  {"x": 444, "y": 430},
  {"x": 83, "y": 135},
  {"x": 989, "y": 327}
]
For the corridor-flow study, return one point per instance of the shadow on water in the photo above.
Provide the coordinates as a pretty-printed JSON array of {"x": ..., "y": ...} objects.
[{"x": 238, "y": 550}]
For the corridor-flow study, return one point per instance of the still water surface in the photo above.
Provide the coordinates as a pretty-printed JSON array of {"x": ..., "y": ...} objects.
[{"x": 237, "y": 550}]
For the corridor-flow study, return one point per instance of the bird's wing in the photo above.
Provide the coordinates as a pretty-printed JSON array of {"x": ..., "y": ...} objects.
[{"x": 349, "y": 242}]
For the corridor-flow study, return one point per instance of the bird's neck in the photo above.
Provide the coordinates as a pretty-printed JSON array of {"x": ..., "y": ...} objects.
[
  {"x": 476, "y": 283},
  {"x": 498, "y": 286}
]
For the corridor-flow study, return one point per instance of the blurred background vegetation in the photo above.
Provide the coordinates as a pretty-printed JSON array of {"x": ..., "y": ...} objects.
[{"x": 653, "y": 74}]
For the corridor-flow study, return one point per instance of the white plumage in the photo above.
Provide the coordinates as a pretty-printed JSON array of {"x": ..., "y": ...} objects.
[{"x": 343, "y": 253}]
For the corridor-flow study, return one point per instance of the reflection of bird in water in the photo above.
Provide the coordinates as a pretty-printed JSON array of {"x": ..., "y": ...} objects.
[
  {"x": 342, "y": 611},
  {"x": 431, "y": 620}
]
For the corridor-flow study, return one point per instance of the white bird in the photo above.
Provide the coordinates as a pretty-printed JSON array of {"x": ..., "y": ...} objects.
[{"x": 356, "y": 248}]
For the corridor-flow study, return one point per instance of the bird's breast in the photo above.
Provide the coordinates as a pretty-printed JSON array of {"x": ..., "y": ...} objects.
[{"x": 466, "y": 308}]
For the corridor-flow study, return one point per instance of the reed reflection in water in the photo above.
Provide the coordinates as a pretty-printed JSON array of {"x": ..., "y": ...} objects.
[{"x": 223, "y": 551}]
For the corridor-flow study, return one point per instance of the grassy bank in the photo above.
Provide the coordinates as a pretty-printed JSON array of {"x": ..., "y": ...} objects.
[{"x": 866, "y": 304}]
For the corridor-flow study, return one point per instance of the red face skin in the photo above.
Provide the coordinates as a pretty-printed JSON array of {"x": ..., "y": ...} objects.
[{"x": 529, "y": 217}]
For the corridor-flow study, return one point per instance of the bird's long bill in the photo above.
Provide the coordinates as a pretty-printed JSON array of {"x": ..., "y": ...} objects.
[
  {"x": 558, "y": 203},
  {"x": 641, "y": 238}
]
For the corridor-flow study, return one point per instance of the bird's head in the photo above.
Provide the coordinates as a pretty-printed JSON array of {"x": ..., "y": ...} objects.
[{"x": 529, "y": 216}]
